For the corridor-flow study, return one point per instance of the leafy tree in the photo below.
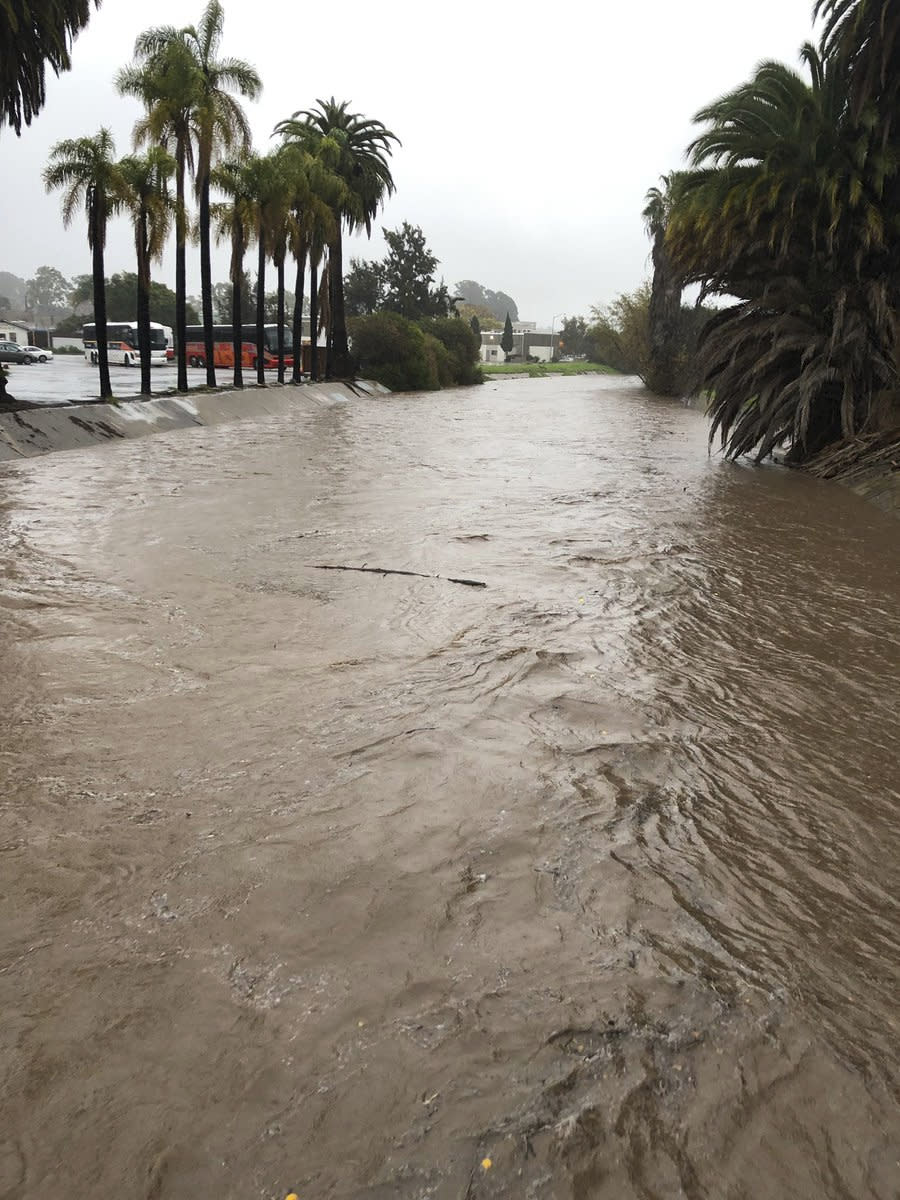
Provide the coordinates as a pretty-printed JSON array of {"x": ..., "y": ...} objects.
[
  {"x": 498, "y": 304},
  {"x": 462, "y": 345},
  {"x": 408, "y": 276},
  {"x": 507, "y": 342},
  {"x": 32, "y": 35},
  {"x": 121, "y": 290},
  {"x": 85, "y": 169},
  {"x": 573, "y": 336},
  {"x": 81, "y": 290},
  {"x": 4, "y": 303},
  {"x": 145, "y": 194},
  {"x": 359, "y": 149},
  {"x": 364, "y": 288},
  {"x": 475, "y": 326},
  {"x": 48, "y": 290}
]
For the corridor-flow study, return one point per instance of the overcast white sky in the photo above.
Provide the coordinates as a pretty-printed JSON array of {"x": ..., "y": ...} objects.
[{"x": 530, "y": 132}]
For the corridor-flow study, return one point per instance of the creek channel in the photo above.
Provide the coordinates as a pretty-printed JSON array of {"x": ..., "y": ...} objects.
[{"x": 583, "y": 884}]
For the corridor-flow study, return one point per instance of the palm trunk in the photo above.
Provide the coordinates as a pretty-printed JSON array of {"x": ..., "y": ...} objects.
[
  {"x": 261, "y": 312},
  {"x": 339, "y": 358},
  {"x": 180, "y": 267},
  {"x": 99, "y": 272},
  {"x": 206, "y": 284},
  {"x": 297, "y": 372},
  {"x": 313, "y": 320},
  {"x": 237, "y": 300},
  {"x": 280, "y": 266},
  {"x": 143, "y": 302},
  {"x": 664, "y": 316}
]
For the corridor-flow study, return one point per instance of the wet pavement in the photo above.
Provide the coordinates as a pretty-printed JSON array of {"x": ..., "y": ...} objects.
[
  {"x": 582, "y": 884},
  {"x": 70, "y": 378}
]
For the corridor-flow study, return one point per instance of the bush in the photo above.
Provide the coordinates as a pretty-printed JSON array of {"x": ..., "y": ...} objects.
[
  {"x": 461, "y": 343},
  {"x": 395, "y": 352}
]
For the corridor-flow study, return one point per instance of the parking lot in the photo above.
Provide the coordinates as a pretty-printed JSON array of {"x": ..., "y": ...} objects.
[{"x": 70, "y": 379}]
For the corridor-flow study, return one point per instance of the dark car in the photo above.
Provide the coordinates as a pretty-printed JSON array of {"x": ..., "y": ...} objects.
[{"x": 12, "y": 353}]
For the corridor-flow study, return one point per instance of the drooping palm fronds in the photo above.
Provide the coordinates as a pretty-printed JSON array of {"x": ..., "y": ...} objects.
[
  {"x": 358, "y": 149},
  {"x": 31, "y": 37},
  {"x": 86, "y": 172},
  {"x": 785, "y": 208}
]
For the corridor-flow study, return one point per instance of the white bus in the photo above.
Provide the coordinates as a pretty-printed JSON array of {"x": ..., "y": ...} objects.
[{"x": 122, "y": 343}]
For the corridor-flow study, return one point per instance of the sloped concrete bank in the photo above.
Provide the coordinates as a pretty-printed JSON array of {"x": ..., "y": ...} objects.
[{"x": 30, "y": 432}]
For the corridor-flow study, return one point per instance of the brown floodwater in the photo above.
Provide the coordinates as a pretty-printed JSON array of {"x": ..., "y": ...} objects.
[{"x": 582, "y": 884}]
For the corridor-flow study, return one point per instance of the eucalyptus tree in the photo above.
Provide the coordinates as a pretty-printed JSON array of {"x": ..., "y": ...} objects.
[
  {"x": 31, "y": 36},
  {"x": 146, "y": 197},
  {"x": 187, "y": 93},
  {"x": 363, "y": 147},
  {"x": 86, "y": 171},
  {"x": 234, "y": 220}
]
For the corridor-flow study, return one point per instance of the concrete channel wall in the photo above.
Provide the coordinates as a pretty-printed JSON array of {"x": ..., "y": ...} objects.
[{"x": 33, "y": 431}]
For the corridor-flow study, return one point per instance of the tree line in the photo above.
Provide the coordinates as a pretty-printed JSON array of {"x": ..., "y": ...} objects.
[{"x": 329, "y": 174}]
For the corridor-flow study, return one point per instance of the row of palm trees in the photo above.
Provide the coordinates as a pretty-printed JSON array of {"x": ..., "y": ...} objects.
[
  {"x": 791, "y": 211},
  {"x": 328, "y": 174}
]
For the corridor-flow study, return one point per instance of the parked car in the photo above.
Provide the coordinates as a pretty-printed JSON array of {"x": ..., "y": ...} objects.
[
  {"x": 38, "y": 353},
  {"x": 12, "y": 352}
]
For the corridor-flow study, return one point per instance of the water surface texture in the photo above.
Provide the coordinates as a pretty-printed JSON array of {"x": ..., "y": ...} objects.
[{"x": 580, "y": 885}]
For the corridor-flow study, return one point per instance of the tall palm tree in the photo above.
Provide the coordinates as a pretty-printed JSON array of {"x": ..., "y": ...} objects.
[
  {"x": 145, "y": 193},
  {"x": 30, "y": 37},
  {"x": 164, "y": 78},
  {"x": 220, "y": 125},
  {"x": 664, "y": 369},
  {"x": 363, "y": 147},
  {"x": 265, "y": 186},
  {"x": 187, "y": 90},
  {"x": 316, "y": 194},
  {"x": 235, "y": 221},
  {"x": 86, "y": 170}
]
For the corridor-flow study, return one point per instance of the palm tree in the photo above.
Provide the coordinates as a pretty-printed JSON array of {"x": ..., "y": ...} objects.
[
  {"x": 664, "y": 369},
  {"x": 235, "y": 221},
  {"x": 220, "y": 125},
  {"x": 187, "y": 93},
  {"x": 25, "y": 49},
  {"x": 784, "y": 210},
  {"x": 265, "y": 186},
  {"x": 164, "y": 79},
  {"x": 316, "y": 196},
  {"x": 145, "y": 184},
  {"x": 86, "y": 170},
  {"x": 362, "y": 147}
]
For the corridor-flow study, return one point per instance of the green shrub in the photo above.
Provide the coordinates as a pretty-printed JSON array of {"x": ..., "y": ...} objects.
[
  {"x": 395, "y": 352},
  {"x": 462, "y": 344}
]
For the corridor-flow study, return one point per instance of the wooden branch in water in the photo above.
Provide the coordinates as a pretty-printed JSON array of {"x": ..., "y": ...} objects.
[{"x": 394, "y": 571}]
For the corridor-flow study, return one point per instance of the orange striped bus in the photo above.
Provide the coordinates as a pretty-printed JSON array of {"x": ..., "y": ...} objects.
[{"x": 223, "y": 346}]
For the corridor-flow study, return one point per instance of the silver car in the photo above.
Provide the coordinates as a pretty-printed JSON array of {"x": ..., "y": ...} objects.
[
  {"x": 38, "y": 353},
  {"x": 12, "y": 352}
]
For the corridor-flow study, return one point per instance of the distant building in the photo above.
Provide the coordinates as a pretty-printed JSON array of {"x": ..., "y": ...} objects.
[
  {"x": 15, "y": 331},
  {"x": 530, "y": 344}
]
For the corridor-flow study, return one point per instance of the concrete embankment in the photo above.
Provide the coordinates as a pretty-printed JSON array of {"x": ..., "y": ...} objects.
[{"x": 33, "y": 431}]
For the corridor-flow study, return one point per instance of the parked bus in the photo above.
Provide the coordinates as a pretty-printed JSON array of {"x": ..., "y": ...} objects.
[
  {"x": 223, "y": 347},
  {"x": 122, "y": 343}
]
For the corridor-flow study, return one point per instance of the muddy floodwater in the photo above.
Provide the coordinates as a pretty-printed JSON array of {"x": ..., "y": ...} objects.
[{"x": 582, "y": 884}]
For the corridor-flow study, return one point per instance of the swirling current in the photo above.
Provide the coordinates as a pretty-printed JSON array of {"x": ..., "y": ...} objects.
[{"x": 354, "y": 884}]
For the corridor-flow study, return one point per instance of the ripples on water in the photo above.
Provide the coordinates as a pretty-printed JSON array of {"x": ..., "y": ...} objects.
[{"x": 343, "y": 882}]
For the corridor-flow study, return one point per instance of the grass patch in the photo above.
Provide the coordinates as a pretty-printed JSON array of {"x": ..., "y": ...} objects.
[{"x": 538, "y": 370}]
